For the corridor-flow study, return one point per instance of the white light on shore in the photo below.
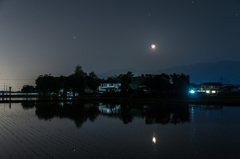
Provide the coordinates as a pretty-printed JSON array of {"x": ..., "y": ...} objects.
[{"x": 192, "y": 91}]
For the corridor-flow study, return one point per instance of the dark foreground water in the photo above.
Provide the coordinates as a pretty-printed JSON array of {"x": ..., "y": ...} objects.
[{"x": 100, "y": 130}]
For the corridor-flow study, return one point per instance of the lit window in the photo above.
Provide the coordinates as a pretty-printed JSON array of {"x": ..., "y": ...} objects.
[
  {"x": 207, "y": 91},
  {"x": 213, "y": 91}
]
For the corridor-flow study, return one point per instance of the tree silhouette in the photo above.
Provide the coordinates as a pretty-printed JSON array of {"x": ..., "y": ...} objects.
[{"x": 28, "y": 89}]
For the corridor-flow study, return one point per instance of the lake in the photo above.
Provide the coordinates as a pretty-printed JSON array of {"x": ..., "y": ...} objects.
[{"x": 118, "y": 130}]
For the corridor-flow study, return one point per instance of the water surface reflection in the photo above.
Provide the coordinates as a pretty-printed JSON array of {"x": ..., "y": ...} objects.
[
  {"x": 118, "y": 130},
  {"x": 81, "y": 112},
  {"x": 78, "y": 112}
]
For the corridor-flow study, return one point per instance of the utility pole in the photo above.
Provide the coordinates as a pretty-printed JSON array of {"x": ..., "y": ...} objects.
[
  {"x": 10, "y": 92},
  {"x": 4, "y": 89}
]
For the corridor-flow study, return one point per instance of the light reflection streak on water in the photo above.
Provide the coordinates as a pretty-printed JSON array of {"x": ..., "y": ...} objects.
[
  {"x": 192, "y": 133},
  {"x": 154, "y": 140},
  {"x": 192, "y": 127}
]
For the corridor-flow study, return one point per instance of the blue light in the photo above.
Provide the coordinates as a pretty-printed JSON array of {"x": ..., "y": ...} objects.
[{"x": 192, "y": 91}]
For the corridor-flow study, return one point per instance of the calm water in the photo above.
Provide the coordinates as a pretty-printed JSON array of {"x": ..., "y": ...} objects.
[{"x": 101, "y": 130}]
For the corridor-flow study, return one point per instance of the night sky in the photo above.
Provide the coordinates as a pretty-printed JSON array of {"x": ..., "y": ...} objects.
[{"x": 53, "y": 36}]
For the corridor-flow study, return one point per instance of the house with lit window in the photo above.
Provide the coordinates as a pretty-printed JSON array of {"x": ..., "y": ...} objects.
[
  {"x": 142, "y": 86},
  {"x": 210, "y": 88},
  {"x": 109, "y": 85}
]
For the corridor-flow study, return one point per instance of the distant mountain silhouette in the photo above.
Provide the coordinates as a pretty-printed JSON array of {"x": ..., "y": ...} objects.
[
  {"x": 199, "y": 73},
  {"x": 209, "y": 72}
]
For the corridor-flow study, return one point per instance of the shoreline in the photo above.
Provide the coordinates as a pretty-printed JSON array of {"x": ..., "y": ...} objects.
[{"x": 231, "y": 101}]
